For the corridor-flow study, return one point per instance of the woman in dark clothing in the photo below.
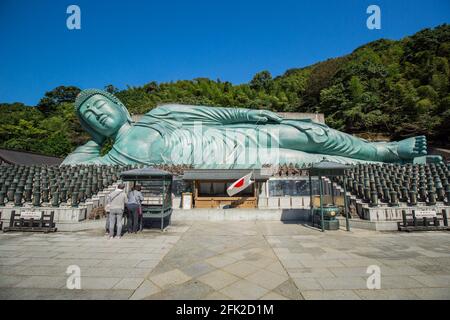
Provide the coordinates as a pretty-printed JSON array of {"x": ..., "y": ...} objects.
[{"x": 135, "y": 199}]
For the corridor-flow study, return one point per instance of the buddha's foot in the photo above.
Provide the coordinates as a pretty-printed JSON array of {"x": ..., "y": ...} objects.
[{"x": 411, "y": 148}]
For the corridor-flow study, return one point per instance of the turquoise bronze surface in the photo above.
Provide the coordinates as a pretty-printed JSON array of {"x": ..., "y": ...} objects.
[{"x": 213, "y": 137}]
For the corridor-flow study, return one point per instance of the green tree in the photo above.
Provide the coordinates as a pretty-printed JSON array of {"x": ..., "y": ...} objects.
[
  {"x": 53, "y": 98},
  {"x": 262, "y": 81}
]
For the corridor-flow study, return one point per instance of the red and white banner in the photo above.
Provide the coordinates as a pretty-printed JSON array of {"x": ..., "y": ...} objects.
[{"x": 239, "y": 185}]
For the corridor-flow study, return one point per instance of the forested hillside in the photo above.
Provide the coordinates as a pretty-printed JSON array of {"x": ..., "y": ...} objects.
[{"x": 391, "y": 89}]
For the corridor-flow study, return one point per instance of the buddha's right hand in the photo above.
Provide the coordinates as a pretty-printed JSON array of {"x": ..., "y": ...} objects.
[
  {"x": 263, "y": 116},
  {"x": 90, "y": 150}
]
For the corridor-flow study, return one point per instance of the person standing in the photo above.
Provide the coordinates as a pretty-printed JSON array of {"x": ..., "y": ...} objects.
[
  {"x": 140, "y": 212},
  {"x": 107, "y": 220},
  {"x": 135, "y": 199},
  {"x": 116, "y": 202}
]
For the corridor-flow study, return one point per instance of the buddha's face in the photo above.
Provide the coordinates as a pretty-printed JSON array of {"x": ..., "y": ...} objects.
[{"x": 103, "y": 115}]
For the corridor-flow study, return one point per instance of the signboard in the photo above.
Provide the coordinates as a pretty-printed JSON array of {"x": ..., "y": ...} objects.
[
  {"x": 425, "y": 214},
  {"x": 31, "y": 215},
  {"x": 187, "y": 200}
]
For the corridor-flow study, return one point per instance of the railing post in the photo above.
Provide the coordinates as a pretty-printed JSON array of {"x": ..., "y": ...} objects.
[
  {"x": 405, "y": 223},
  {"x": 444, "y": 215},
  {"x": 321, "y": 204}
]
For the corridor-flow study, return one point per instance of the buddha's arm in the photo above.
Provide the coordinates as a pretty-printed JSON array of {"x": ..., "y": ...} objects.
[
  {"x": 84, "y": 153},
  {"x": 214, "y": 115}
]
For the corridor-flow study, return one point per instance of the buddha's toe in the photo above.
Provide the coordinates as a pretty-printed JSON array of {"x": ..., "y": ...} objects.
[{"x": 420, "y": 145}]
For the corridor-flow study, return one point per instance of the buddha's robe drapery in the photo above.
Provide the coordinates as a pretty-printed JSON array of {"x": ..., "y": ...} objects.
[{"x": 213, "y": 137}]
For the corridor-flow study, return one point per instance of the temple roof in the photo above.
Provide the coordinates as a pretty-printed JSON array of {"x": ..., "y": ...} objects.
[
  {"x": 328, "y": 168},
  {"x": 144, "y": 173},
  {"x": 222, "y": 174},
  {"x": 27, "y": 158}
]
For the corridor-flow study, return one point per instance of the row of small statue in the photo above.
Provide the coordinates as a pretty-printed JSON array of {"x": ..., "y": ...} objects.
[
  {"x": 53, "y": 184},
  {"x": 291, "y": 170},
  {"x": 392, "y": 184}
]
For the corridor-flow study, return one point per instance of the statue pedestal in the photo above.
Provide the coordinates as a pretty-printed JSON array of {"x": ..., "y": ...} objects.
[
  {"x": 250, "y": 214},
  {"x": 62, "y": 214},
  {"x": 385, "y": 213}
]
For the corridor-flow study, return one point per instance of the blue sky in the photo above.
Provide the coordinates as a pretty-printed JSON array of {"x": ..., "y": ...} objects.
[{"x": 135, "y": 41}]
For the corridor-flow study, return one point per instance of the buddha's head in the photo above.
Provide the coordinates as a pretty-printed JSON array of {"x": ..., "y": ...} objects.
[{"x": 100, "y": 113}]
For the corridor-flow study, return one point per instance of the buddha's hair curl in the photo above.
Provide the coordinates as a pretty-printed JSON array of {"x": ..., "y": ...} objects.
[{"x": 86, "y": 94}]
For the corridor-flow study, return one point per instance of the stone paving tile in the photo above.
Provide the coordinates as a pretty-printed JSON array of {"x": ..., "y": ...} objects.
[
  {"x": 49, "y": 282},
  {"x": 321, "y": 263},
  {"x": 330, "y": 295},
  {"x": 307, "y": 284},
  {"x": 129, "y": 283},
  {"x": 289, "y": 289},
  {"x": 400, "y": 271},
  {"x": 98, "y": 283},
  {"x": 115, "y": 272},
  {"x": 241, "y": 269},
  {"x": 360, "y": 262},
  {"x": 97, "y": 249},
  {"x": 12, "y": 261},
  {"x": 218, "y": 279},
  {"x": 291, "y": 263},
  {"x": 144, "y": 256},
  {"x": 436, "y": 269},
  {"x": 437, "y": 281},
  {"x": 400, "y": 282},
  {"x": 43, "y": 271},
  {"x": 126, "y": 263},
  {"x": 342, "y": 283},
  {"x": 38, "y": 262},
  {"x": 80, "y": 255},
  {"x": 312, "y": 272},
  {"x": 216, "y": 296},
  {"x": 277, "y": 268},
  {"x": 259, "y": 260},
  {"x": 100, "y": 294},
  {"x": 38, "y": 254},
  {"x": 78, "y": 262},
  {"x": 190, "y": 290},
  {"x": 301, "y": 262},
  {"x": 62, "y": 294},
  {"x": 11, "y": 270},
  {"x": 9, "y": 254},
  {"x": 147, "y": 288},
  {"x": 273, "y": 296},
  {"x": 13, "y": 248},
  {"x": 9, "y": 281},
  {"x": 170, "y": 278},
  {"x": 244, "y": 290},
  {"x": 432, "y": 293},
  {"x": 387, "y": 294},
  {"x": 220, "y": 261},
  {"x": 197, "y": 269},
  {"x": 150, "y": 264},
  {"x": 266, "y": 279}
]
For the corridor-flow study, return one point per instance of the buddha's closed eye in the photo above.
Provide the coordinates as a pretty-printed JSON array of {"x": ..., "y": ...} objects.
[{"x": 100, "y": 104}]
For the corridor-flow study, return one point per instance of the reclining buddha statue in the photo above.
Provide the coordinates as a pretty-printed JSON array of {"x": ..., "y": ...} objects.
[{"x": 214, "y": 137}]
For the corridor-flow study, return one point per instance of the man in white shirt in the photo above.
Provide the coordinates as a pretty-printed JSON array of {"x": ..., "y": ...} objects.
[{"x": 116, "y": 202}]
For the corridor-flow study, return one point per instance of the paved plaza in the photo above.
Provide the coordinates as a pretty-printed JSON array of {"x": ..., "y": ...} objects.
[{"x": 226, "y": 260}]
